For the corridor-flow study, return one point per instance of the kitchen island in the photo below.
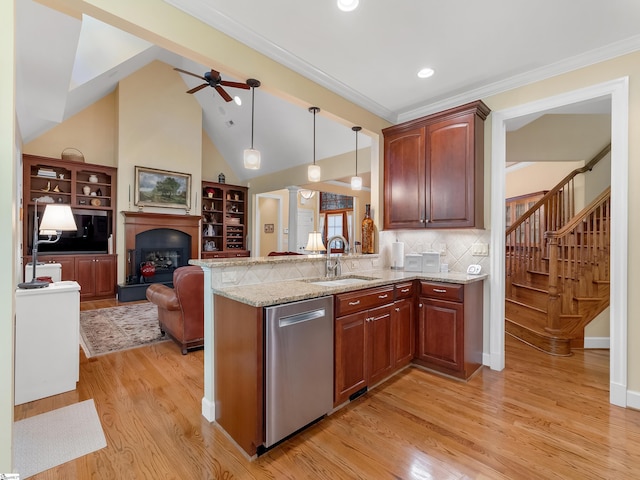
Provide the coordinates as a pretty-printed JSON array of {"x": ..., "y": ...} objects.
[{"x": 237, "y": 290}]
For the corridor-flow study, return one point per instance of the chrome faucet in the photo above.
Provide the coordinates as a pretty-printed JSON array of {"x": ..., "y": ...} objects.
[{"x": 333, "y": 268}]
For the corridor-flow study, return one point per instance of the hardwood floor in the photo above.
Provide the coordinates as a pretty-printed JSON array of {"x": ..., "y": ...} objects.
[{"x": 543, "y": 417}]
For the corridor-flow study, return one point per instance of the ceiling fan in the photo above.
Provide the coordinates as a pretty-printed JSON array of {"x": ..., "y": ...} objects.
[{"x": 214, "y": 79}]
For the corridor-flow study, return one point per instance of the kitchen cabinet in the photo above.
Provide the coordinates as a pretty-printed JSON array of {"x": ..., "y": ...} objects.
[
  {"x": 363, "y": 340},
  {"x": 434, "y": 170},
  {"x": 96, "y": 275},
  {"x": 450, "y": 328},
  {"x": 224, "y": 220},
  {"x": 403, "y": 325}
]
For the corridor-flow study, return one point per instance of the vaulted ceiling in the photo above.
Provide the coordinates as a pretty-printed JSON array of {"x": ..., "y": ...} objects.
[{"x": 370, "y": 56}]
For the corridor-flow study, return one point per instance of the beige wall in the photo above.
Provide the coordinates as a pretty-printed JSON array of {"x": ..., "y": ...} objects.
[
  {"x": 9, "y": 170},
  {"x": 268, "y": 215},
  {"x": 213, "y": 164},
  {"x": 163, "y": 134},
  {"x": 92, "y": 131},
  {"x": 536, "y": 177}
]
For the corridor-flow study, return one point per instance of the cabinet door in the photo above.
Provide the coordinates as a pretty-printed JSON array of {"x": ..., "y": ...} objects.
[
  {"x": 105, "y": 280},
  {"x": 404, "y": 179},
  {"x": 379, "y": 344},
  {"x": 86, "y": 275},
  {"x": 350, "y": 369},
  {"x": 451, "y": 173},
  {"x": 403, "y": 332},
  {"x": 441, "y": 334}
]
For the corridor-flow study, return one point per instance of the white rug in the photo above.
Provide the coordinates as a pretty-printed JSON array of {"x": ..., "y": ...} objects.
[{"x": 53, "y": 438}]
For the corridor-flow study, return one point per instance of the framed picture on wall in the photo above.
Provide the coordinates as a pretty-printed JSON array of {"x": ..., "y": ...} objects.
[{"x": 162, "y": 188}]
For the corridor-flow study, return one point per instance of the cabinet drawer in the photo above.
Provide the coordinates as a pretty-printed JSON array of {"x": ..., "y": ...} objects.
[
  {"x": 359, "y": 300},
  {"x": 444, "y": 291},
  {"x": 404, "y": 290}
]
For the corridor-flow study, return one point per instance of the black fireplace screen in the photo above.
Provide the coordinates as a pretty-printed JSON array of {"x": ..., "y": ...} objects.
[{"x": 157, "y": 254}]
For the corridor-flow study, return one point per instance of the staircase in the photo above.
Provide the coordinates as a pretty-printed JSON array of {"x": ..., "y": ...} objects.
[{"x": 557, "y": 267}]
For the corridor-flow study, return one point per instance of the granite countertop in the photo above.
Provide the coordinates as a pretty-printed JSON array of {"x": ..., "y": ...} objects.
[{"x": 274, "y": 293}]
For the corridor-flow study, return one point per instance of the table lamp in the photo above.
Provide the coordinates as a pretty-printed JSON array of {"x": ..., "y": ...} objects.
[
  {"x": 55, "y": 220},
  {"x": 314, "y": 244}
]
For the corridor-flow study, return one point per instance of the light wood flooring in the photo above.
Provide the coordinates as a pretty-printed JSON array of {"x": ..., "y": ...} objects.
[{"x": 543, "y": 417}]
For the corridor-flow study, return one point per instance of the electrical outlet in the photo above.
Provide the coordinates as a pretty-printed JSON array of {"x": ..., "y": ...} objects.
[
  {"x": 480, "y": 249},
  {"x": 442, "y": 248}
]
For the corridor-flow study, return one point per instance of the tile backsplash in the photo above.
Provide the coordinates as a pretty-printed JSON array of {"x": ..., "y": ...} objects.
[{"x": 457, "y": 245}]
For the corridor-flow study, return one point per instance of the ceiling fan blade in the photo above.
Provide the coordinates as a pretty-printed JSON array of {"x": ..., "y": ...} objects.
[
  {"x": 189, "y": 73},
  {"x": 235, "y": 84},
  {"x": 198, "y": 88},
  {"x": 223, "y": 94},
  {"x": 215, "y": 76}
]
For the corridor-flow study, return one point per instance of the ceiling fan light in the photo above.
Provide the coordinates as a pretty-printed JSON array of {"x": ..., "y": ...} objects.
[
  {"x": 237, "y": 100},
  {"x": 251, "y": 159},
  {"x": 426, "y": 72},
  {"x": 348, "y": 5},
  {"x": 313, "y": 173},
  {"x": 356, "y": 183}
]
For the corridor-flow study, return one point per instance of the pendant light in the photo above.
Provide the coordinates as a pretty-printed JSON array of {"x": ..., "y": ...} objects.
[
  {"x": 251, "y": 155},
  {"x": 356, "y": 181},
  {"x": 313, "y": 172}
]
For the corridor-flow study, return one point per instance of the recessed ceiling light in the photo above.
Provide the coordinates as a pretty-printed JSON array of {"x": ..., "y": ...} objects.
[
  {"x": 348, "y": 5},
  {"x": 238, "y": 100},
  {"x": 426, "y": 72}
]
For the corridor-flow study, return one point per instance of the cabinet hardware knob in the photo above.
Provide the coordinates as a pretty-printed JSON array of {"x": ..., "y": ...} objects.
[
  {"x": 357, "y": 302},
  {"x": 397, "y": 309},
  {"x": 440, "y": 290},
  {"x": 404, "y": 290},
  {"x": 419, "y": 305},
  {"x": 422, "y": 220},
  {"x": 383, "y": 296}
]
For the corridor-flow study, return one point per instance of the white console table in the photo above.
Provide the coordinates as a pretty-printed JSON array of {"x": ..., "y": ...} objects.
[{"x": 47, "y": 355}]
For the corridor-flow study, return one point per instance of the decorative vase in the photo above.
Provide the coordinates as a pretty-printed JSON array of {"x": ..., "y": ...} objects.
[
  {"x": 148, "y": 270},
  {"x": 93, "y": 178},
  {"x": 367, "y": 231},
  {"x": 221, "y": 178}
]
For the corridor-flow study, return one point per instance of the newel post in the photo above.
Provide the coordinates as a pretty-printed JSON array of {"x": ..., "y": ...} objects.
[{"x": 553, "y": 301}]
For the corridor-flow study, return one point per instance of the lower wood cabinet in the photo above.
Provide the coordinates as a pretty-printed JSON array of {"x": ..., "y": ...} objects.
[
  {"x": 450, "y": 328},
  {"x": 96, "y": 274},
  {"x": 363, "y": 340},
  {"x": 403, "y": 325}
]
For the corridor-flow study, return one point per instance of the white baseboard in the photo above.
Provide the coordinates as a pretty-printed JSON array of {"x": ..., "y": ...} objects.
[
  {"x": 633, "y": 399},
  {"x": 597, "y": 342},
  {"x": 208, "y": 410}
]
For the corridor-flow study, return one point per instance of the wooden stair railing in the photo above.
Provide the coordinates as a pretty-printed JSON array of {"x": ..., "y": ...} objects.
[
  {"x": 578, "y": 257},
  {"x": 526, "y": 244}
]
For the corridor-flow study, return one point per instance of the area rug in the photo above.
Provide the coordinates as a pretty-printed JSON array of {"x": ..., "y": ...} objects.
[
  {"x": 113, "y": 329},
  {"x": 53, "y": 438}
]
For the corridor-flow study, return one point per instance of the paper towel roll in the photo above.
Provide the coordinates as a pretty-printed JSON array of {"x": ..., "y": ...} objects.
[{"x": 397, "y": 255}]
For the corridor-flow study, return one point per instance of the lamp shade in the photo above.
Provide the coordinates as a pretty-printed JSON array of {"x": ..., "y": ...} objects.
[
  {"x": 58, "y": 218},
  {"x": 314, "y": 244},
  {"x": 307, "y": 194},
  {"x": 356, "y": 183},
  {"x": 251, "y": 159},
  {"x": 313, "y": 173}
]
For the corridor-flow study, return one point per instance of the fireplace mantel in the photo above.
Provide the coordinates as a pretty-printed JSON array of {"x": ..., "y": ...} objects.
[{"x": 138, "y": 222}]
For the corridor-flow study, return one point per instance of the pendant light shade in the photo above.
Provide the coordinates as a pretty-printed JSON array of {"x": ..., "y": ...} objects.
[
  {"x": 251, "y": 155},
  {"x": 313, "y": 172},
  {"x": 356, "y": 181}
]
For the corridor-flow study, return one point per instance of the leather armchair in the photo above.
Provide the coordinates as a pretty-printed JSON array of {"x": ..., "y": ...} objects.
[{"x": 181, "y": 308}]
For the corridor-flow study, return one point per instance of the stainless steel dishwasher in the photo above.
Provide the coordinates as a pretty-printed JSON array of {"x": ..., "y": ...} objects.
[{"x": 298, "y": 365}]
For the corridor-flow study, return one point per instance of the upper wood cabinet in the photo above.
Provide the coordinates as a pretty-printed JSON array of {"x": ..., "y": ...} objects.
[{"x": 434, "y": 170}]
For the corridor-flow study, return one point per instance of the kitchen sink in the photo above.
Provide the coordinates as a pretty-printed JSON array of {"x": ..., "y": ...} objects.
[{"x": 341, "y": 281}]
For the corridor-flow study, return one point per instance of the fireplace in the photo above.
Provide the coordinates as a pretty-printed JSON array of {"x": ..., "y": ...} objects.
[{"x": 156, "y": 244}]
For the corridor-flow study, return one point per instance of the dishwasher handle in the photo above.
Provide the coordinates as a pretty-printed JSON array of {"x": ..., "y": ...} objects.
[{"x": 301, "y": 317}]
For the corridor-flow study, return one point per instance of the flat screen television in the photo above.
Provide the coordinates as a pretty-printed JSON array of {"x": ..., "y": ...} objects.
[{"x": 94, "y": 228}]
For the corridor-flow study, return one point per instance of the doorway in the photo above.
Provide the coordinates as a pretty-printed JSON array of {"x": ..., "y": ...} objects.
[
  {"x": 268, "y": 225},
  {"x": 617, "y": 92}
]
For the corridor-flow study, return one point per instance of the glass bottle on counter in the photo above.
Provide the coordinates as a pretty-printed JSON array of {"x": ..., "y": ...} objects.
[{"x": 367, "y": 231}]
